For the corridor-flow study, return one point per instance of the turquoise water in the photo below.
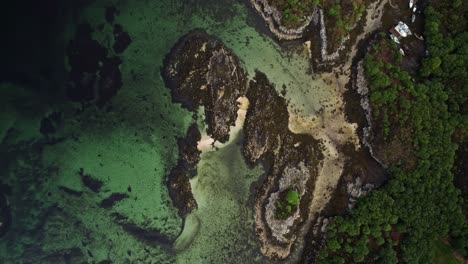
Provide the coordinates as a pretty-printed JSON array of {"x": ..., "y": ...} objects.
[{"x": 132, "y": 147}]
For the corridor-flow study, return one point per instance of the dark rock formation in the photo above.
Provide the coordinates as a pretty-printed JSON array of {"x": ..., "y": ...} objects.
[
  {"x": 178, "y": 183},
  {"x": 267, "y": 120},
  {"x": 189, "y": 155},
  {"x": 201, "y": 71},
  {"x": 84, "y": 55},
  {"x": 46, "y": 127}
]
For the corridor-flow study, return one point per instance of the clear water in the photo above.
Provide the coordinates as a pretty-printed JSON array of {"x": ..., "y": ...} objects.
[{"x": 133, "y": 147}]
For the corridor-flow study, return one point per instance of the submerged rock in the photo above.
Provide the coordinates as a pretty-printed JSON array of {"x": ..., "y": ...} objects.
[
  {"x": 114, "y": 198},
  {"x": 94, "y": 75},
  {"x": 92, "y": 183},
  {"x": 146, "y": 234},
  {"x": 200, "y": 70}
]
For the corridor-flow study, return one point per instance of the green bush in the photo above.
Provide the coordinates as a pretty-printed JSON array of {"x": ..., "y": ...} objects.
[{"x": 286, "y": 204}]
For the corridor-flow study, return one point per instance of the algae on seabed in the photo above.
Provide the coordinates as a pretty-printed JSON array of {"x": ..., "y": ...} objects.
[{"x": 131, "y": 148}]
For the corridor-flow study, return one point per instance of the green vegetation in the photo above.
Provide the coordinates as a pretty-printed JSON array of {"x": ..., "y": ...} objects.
[
  {"x": 286, "y": 204},
  {"x": 419, "y": 204},
  {"x": 443, "y": 254}
]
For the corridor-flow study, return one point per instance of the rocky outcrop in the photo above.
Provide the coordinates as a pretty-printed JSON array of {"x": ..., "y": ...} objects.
[
  {"x": 201, "y": 71},
  {"x": 287, "y": 156}
]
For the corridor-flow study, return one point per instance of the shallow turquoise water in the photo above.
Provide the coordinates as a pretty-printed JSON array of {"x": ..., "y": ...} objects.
[{"x": 133, "y": 147}]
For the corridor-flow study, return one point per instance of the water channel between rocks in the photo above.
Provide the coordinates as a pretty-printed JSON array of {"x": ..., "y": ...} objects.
[{"x": 222, "y": 229}]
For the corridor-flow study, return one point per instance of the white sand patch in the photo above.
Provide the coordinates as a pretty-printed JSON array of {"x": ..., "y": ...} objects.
[{"x": 207, "y": 143}]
